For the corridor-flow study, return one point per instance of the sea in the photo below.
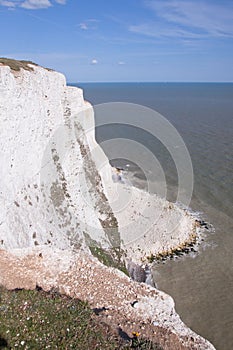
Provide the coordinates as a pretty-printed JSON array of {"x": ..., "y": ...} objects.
[{"x": 200, "y": 283}]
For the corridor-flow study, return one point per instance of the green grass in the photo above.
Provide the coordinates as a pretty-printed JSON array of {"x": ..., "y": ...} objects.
[
  {"x": 40, "y": 320},
  {"x": 109, "y": 258}
]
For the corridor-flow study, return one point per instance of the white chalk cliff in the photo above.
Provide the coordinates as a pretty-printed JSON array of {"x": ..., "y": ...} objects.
[
  {"x": 57, "y": 193},
  {"x": 56, "y": 182}
]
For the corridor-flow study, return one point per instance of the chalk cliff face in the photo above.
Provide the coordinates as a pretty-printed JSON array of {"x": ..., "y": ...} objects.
[
  {"x": 57, "y": 199},
  {"x": 48, "y": 193},
  {"x": 56, "y": 182}
]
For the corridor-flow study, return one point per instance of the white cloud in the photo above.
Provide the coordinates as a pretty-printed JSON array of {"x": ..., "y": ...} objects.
[
  {"x": 89, "y": 24},
  {"x": 157, "y": 30},
  {"x": 121, "y": 63},
  {"x": 83, "y": 26},
  {"x": 7, "y": 3},
  {"x": 30, "y": 4},
  {"x": 35, "y": 4},
  {"x": 188, "y": 19},
  {"x": 94, "y": 61}
]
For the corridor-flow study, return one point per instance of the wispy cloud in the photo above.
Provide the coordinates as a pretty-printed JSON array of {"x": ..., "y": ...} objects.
[
  {"x": 89, "y": 24},
  {"x": 83, "y": 26},
  {"x": 7, "y": 3},
  {"x": 35, "y": 4},
  {"x": 31, "y": 4},
  {"x": 188, "y": 19},
  {"x": 157, "y": 30}
]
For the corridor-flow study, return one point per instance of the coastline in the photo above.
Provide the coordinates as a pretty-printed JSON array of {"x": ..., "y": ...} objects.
[{"x": 44, "y": 235}]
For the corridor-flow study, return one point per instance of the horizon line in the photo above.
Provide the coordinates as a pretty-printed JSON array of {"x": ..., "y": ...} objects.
[{"x": 151, "y": 82}]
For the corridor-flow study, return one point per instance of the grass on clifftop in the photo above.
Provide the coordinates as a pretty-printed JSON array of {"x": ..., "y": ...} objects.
[
  {"x": 40, "y": 320},
  {"x": 17, "y": 65}
]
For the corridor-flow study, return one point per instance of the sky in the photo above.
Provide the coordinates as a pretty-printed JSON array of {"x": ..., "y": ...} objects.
[{"x": 122, "y": 40}]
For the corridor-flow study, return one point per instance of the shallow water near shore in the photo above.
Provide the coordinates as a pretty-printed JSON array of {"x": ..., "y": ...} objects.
[{"x": 202, "y": 283}]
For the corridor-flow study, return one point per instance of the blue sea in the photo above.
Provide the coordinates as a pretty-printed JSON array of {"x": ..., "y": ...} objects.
[{"x": 202, "y": 113}]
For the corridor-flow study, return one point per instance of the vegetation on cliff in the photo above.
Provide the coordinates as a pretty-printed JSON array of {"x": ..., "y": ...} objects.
[
  {"x": 16, "y": 65},
  {"x": 40, "y": 320}
]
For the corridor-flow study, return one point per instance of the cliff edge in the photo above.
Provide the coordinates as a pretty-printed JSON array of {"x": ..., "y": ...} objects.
[{"x": 58, "y": 204}]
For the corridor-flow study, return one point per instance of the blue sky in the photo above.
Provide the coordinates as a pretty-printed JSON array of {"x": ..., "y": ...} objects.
[{"x": 122, "y": 40}]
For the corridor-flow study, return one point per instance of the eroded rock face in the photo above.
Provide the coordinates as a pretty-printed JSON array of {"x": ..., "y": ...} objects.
[
  {"x": 51, "y": 192},
  {"x": 56, "y": 182},
  {"x": 57, "y": 198}
]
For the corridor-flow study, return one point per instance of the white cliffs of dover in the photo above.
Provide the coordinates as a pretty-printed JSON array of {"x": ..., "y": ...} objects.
[
  {"x": 42, "y": 200},
  {"x": 57, "y": 197},
  {"x": 56, "y": 182}
]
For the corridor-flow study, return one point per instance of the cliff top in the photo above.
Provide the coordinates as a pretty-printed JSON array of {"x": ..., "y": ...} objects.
[{"x": 16, "y": 65}]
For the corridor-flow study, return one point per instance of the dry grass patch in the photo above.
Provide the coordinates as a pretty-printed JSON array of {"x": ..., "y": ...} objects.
[{"x": 16, "y": 65}]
